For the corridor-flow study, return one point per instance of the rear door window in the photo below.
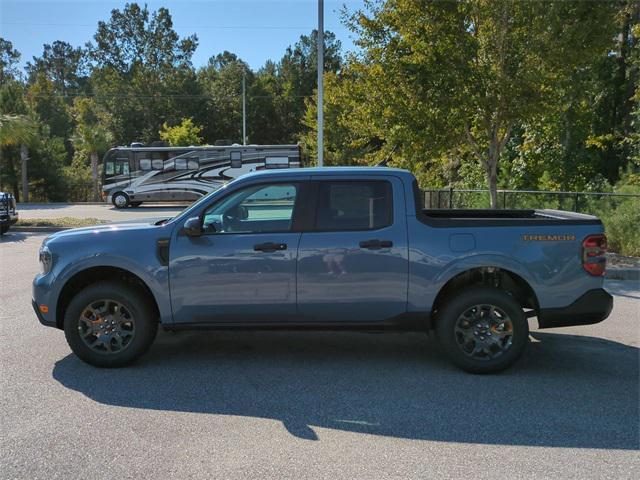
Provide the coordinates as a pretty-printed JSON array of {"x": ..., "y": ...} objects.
[{"x": 353, "y": 205}]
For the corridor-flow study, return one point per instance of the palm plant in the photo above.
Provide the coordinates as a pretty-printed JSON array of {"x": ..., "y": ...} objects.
[
  {"x": 18, "y": 130},
  {"x": 91, "y": 136}
]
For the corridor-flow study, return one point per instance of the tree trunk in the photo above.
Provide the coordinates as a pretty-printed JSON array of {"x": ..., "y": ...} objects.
[
  {"x": 13, "y": 176},
  {"x": 1, "y": 170},
  {"x": 94, "y": 176},
  {"x": 24, "y": 156},
  {"x": 492, "y": 179},
  {"x": 491, "y": 167}
]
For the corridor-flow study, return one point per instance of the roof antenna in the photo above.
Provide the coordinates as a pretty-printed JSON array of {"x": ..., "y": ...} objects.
[{"x": 384, "y": 162}]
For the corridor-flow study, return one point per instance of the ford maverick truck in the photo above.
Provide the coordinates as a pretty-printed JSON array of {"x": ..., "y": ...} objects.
[{"x": 331, "y": 248}]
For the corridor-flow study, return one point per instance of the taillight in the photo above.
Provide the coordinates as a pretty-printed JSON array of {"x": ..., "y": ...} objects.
[{"x": 593, "y": 249}]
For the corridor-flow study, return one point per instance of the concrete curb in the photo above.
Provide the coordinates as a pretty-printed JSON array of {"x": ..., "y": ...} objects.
[
  {"x": 39, "y": 229},
  {"x": 37, "y": 205},
  {"x": 623, "y": 274}
]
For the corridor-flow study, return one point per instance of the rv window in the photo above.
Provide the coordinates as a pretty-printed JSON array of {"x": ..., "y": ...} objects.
[
  {"x": 181, "y": 163},
  {"x": 122, "y": 166},
  {"x": 158, "y": 164},
  {"x": 142, "y": 159},
  {"x": 193, "y": 163},
  {"x": 276, "y": 162},
  {"x": 109, "y": 168},
  {"x": 236, "y": 159}
]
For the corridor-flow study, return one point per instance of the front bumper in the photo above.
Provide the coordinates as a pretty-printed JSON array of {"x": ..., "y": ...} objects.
[
  {"x": 41, "y": 295},
  {"x": 8, "y": 219},
  {"x": 592, "y": 307},
  {"x": 41, "y": 319}
]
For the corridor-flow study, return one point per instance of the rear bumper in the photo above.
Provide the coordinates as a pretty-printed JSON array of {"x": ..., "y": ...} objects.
[{"x": 592, "y": 307}]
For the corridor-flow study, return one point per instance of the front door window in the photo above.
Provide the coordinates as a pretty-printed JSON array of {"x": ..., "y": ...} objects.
[{"x": 256, "y": 209}]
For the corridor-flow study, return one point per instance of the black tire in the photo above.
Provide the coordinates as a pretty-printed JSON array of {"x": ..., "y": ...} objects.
[
  {"x": 454, "y": 342},
  {"x": 135, "y": 204},
  {"x": 144, "y": 323},
  {"x": 4, "y": 229},
  {"x": 120, "y": 200}
]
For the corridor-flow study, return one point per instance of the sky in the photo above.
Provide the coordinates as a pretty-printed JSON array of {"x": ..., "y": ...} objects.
[{"x": 254, "y": 30}]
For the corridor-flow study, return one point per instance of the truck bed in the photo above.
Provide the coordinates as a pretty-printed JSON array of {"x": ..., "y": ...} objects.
[{"x": 512, "y": 217}]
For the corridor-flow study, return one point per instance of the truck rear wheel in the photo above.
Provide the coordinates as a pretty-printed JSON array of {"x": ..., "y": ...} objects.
[
  {"x": 110, "y": 325},
  {"x": 482, "y": 330}
]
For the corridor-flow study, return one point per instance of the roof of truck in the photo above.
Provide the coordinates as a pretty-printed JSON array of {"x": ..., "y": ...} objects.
[{"x": 328, "y": 171}]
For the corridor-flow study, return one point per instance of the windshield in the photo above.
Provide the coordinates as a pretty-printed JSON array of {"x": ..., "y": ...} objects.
[{"x": 116, "y": 163}]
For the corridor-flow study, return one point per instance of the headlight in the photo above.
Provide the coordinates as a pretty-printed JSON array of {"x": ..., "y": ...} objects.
[{"x": 46, "y": 259}]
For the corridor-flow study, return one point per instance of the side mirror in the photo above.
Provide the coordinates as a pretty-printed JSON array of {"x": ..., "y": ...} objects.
[{"x": 193, "y": 227}]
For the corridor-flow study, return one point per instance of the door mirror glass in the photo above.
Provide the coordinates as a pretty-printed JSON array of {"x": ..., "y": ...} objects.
[{"x": 193, "y": 227}]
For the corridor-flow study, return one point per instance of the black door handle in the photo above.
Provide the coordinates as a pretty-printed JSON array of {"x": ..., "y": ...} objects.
[
  {"x": 376, "y": 244},
  {"x": 269, "y": 247}
]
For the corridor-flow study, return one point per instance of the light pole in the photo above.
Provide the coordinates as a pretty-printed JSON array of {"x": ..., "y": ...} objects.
[
  {"x": 244, "y": 107},
  {"x": 320, "y": 41}
]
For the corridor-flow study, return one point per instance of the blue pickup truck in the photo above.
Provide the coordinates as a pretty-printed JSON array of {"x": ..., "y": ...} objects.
[{"x": 332, "y": 248}]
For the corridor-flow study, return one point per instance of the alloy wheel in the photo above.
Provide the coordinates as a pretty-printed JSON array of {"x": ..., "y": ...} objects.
[
  {"x": 106, "y": 326},
  {"x": 484, "y": 332}
]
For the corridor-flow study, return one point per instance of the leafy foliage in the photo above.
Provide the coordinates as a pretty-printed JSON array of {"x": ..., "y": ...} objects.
[{"x": 184, "y": 134}]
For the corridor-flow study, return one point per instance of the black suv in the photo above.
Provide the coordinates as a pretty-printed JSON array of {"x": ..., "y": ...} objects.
[{"x": 8, "y": 214}]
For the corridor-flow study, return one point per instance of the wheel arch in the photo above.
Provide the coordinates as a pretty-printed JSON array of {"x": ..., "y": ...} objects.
[
  {"x": 91, "y": 275},
  {"x": 493, "y": 276}
]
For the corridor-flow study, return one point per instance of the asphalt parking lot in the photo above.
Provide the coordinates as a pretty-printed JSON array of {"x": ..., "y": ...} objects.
[{"x": 314, "y": 405}]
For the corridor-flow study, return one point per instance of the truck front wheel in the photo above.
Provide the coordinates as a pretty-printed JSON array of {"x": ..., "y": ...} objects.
[
  {"x": 110, "y": 325},
  {"x": 482, "y": 330}
]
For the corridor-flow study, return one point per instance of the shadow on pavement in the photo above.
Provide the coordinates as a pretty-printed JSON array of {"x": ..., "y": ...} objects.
[
  {"x": 568, "y": 391},
  {"x": 41, "y": 206},
  {"x": 623, "y": 288},
  {"x": 170, "y": 207},
  {"x": 13, "y": 237}
]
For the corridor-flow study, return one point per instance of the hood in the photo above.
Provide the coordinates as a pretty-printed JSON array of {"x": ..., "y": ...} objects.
[{"x": 108, "y": 230}]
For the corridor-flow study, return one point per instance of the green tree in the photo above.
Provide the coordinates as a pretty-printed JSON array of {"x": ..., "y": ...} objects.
[
  {"x": 61, "y": 63},
  {"x": 298, "y": 72},
  {"x": 346, "y": 140},
  {"x": 49, "y": 108},
  {"x": 184, "y": 134},
  {"x": 440, "y": 75},
  {"x": 91, "y": 135},
  {"x": 135, "y": 36},
  {"x": 9, "y": 58},
  {"x": 221, "y": 83},
  {"x": 142, "y": 72}
]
